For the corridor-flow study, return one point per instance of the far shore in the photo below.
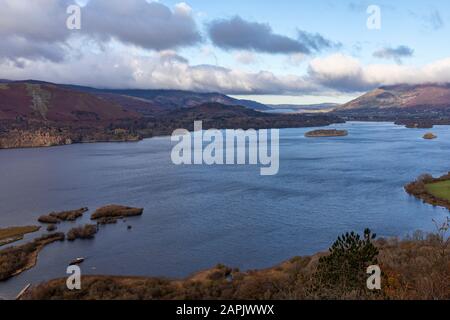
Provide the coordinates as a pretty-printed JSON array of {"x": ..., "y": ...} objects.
[{"x": 168, "y": 136}]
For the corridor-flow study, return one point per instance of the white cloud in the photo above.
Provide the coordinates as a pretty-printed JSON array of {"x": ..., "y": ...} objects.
[
  {"x": 347, "y": 74},
  {"x": 119, "y": 67},
  {"x": 116, "y": 68},
  {"x": 134, "y": 44},
  {"x": 183, "y": 8}
]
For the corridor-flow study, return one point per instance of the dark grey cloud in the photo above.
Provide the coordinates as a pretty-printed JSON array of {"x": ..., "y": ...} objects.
[
  {"x": 17, "y": 48},
  {"x": 395, "y": 54},
  {"x": 37, "y": 29},
  {"x": 237, "y": 33},
  {"x": 147, "y": 25},
  {"x": 316, "y": 42}
]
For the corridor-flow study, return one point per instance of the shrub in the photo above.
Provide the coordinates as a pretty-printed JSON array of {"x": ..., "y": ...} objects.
[
  {"x": 69, "y": 215},
  {"x": 107, "y": 220},
  {"x": 86, "y": 232},
  {"x": 14, "y": 260},
  {"x": 342, "y": 273},
  {"x": 56, "y": 217},
  {"x": 51, "y": 228}
]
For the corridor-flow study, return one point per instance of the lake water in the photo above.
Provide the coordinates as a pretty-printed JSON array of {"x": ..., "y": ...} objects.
[{"x": 198, "y": 216}]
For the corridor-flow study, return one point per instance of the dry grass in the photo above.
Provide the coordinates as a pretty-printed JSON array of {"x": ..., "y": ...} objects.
[
  {"x": 17, "y": 231},
  {"x": 86, "y": 232},
  {"x": 412, "y": 269},
  {"x": 12, "y": 234},
  {"x": 16, "y": 260},
  {"x": 116, "y": 211},
  {"x": 56, "y": 217}
]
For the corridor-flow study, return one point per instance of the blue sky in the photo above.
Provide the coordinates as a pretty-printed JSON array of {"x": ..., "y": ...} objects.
[{"x": 201, "y": 45}]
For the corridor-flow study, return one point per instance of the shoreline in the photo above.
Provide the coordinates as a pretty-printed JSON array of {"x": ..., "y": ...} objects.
[
  {"x": 418, "y": 189},
  {"x": 143, "y": 138},
  {"x": 201, "y": 274},
  {"x": 292, "y": 279}
]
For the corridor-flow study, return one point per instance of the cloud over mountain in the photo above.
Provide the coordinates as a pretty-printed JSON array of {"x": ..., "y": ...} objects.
[
  {"x": 136, "y": 44},
  {"x": 347, "y": 74}
]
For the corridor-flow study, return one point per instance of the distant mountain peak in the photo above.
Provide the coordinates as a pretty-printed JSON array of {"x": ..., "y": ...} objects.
[{"x": 403, "y": 96}]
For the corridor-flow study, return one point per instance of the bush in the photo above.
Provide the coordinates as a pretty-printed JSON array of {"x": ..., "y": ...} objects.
[
  {"x": 107, "y": 220},
  {"x": 86, "y": 232},
  {"x": 69, "y": 215},
  {"x": 51, "y": 228},
  {"x": 56, "y": 217},
  {"x": 425, "y": 178},
  {"x": 15, "y": 260},
  {"x": 343, "y": 272}
]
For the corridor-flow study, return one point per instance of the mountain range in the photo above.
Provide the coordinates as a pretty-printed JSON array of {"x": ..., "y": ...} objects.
[
  {"x": 407, "y": 97},
  {"x": 35, "y": 113}
]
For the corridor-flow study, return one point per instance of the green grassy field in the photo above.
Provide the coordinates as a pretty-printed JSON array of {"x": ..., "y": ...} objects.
[{"x": 440, "y": 190}]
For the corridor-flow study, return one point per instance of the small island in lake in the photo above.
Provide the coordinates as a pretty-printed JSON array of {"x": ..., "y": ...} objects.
[
  {"x": 326, "y": 133},
  {"x": 430, "y": 136},
  {"x": 14, "y": 260}
]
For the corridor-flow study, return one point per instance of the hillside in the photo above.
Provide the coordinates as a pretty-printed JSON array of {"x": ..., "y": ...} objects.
[
  {"x": 34, "y": 114},
  {"x": 404, "y": 264},
  {"x": 54, "y": 104},
  {"x": 173, "y": 99},
  {"x": 404, "y": 97}
]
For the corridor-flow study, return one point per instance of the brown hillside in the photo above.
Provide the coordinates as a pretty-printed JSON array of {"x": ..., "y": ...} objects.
[
  {"x": 414, "y": 97},
  {"x": 47, "y": 102}
]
